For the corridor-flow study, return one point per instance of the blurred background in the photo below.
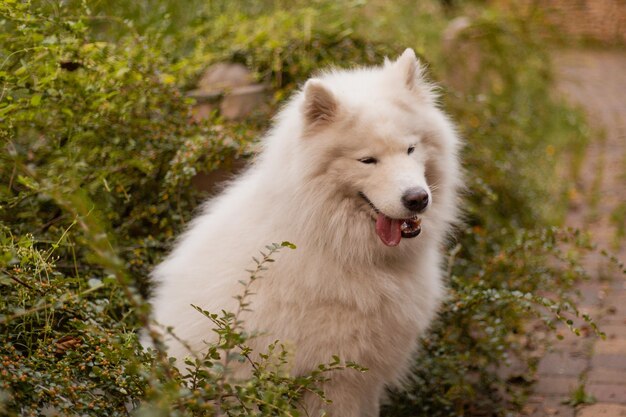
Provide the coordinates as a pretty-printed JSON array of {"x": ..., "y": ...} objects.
[{"x": 118, "y": 118}]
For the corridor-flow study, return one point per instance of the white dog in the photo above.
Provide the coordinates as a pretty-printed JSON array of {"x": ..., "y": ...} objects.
[{"x": 361, "y": 172}]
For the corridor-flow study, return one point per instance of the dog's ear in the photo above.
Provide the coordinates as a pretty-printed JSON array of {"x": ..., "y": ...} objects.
[
  {"x": 412, "y": 71},
  {"x": 320, "y": 105},
  {"x": 409, "y": 67}
]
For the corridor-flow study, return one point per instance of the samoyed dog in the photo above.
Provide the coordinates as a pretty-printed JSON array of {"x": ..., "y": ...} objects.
[{"x": 361, "y": 172}]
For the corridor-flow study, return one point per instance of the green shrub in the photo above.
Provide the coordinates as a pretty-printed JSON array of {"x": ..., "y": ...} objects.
[{"x": 98, "y": 153}]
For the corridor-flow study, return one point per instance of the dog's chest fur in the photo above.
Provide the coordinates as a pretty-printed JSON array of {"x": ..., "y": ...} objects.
[{"x": 371, "y": 316}]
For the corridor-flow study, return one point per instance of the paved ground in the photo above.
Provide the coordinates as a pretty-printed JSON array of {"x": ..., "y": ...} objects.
[{"x": 595, "y": 80}]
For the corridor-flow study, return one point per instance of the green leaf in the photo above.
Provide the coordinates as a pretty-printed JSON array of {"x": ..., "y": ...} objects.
[{"x": 35, "y": 100}]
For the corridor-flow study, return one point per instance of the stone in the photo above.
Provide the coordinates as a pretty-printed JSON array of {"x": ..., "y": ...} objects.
[
  {"x": 540, "y": 406},
  {"x": 242, "y": 101},
  {"x": 561, "y": 364},
  {"x": 590, "y": 294},
  {"x": 556, "y": 385},
  {"x": 206, "y": 103},
  {"x": 609, "y": 361},
  {"x": 612, "y": 320},
  {"x": 224, "y": 76},
  {"x": 610, "y": 347},
  {"x": 607, "y": 375},
  {"x": 614, "y": 331},
  {"x": 231, "y": 89},
  {"x": 613, "y": 393},
  {"x": 616, "y": 303},
  {"x": 602, "y": 410}
]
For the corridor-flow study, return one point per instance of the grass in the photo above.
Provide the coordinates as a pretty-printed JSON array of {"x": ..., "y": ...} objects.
[
  {"x": 618, "y": 215},
  {"x": 594, "y": 194},
  {"x": 618, "y": 220},
  {"x": 580, "y": 396}
]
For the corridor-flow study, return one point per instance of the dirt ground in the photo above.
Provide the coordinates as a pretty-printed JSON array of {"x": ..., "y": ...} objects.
[{"x": 594, "y": 80}]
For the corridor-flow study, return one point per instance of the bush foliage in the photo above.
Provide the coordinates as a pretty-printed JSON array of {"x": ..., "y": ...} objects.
[{"x": 98, "y": 152}]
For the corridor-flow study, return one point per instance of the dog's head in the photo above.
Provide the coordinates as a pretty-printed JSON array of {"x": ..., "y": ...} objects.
[{"x": 378, "y": 136}]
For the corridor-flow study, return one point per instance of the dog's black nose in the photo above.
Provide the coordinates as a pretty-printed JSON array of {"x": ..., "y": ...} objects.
[{"x": 415, "y": 199}]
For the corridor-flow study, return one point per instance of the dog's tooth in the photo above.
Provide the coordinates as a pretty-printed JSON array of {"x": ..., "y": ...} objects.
[{"x": 411, "y": 227}]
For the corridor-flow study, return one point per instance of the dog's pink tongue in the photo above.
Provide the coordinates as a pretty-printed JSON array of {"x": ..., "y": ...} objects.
[{"x": 388, "y": 230}]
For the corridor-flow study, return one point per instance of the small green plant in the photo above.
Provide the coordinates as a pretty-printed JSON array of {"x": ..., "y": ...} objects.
[
  {"x": 580, "y": 396},
  {"x": 618, "y": 220}
]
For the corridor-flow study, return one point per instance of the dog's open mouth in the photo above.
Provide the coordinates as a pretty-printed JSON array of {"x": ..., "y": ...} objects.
[{"x": 391, "y": 231}]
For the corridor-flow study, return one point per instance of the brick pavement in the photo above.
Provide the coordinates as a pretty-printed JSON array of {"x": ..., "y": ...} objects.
[{"x": 595, "y": 80}]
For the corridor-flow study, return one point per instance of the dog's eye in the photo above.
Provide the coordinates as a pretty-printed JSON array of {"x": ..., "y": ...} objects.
[
  {"x": 368, "y": 160},
  {"x": 410, "y": 150}
]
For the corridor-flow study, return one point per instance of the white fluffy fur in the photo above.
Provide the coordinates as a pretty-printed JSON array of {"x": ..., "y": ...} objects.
[{"x": 342, "y": 291}]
